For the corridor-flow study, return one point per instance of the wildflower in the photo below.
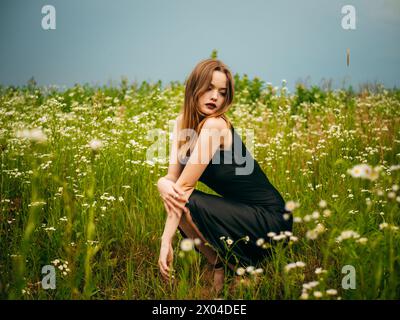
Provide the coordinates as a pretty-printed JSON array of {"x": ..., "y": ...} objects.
[
  {"x": 320, "y": 271},
  {"x": 314, "y": 233},
  {"x": 249, "y": 269},
  {"x": 364, "y": 171},
  {"x": 271, "y": 234},
  {"x": 240, "y": 271},
  {"x": 95, "y": 144},
  {"x": 279, "y": 237},
  {"x": 260, "y": 242},
  {"x": 55, "y": 262},
  {"x": 258, "y": 271},
  {"x": 229, "y": 241},
  {"x": 347, "y": 234},
  {"x": 362, "y": 240},
  {"x": 391, "y": 195},
  {"x": 291, "y": 205},
  {"x": 331, "y": 292},
  {"x": 315, "y": 215},
  {"x": 290, "y": 266},
  {"x": 197, "y": 241},
  {"x": 326, "y": 213},
  {"x": 310, "y": 285},
  {"x": 322, "y": 204},
  {"x": 297, "y": 219},
  {"x": 304, "y": 296},
  {"x": 36, "y": 135},
  {"x": 187, "y": 244},
  {"x": 298, "y": 264},
  {"x": 383, "y": 225},
  {"x": 317, "y": 294}
]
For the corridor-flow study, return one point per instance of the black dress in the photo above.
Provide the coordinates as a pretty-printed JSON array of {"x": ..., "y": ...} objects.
[{"x": 249, "y": 206}]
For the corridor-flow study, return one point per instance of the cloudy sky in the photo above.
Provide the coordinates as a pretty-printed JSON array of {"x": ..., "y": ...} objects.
[{"x": 98, "y": 41}]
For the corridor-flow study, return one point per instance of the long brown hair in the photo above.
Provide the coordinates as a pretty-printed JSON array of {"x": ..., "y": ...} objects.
[{"x": 197, "y": 84}]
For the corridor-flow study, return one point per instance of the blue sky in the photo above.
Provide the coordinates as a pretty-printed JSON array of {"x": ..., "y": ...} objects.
[{"x": 98, "y": 41}]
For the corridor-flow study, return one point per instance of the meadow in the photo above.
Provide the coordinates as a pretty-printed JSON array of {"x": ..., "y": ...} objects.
[{"x": 78, "y": 192}]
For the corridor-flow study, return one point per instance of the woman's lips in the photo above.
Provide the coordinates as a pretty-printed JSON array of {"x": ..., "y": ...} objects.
[{"x": 211, "y": 105}]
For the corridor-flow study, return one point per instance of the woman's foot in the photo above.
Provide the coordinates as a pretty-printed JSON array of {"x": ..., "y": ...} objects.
[
  {"x": 214, "y": 276},
  {"x": 219, "y": 279}
]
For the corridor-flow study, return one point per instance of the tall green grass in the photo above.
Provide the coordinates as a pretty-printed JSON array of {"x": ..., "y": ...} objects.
[{"x": 98, "y": 211}]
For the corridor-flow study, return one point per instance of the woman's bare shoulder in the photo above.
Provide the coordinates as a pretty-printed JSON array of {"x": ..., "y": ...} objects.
[{"x": 216, "y": 123}]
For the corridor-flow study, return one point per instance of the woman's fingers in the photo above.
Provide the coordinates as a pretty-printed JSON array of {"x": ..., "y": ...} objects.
[
  {"x": 167, "y": 206},
  {"x": 180, "y": 193},
  {"x": 176, "y": 203},
  {"x": 164, "y": 270},
  {"x": 170, "y": 207}
]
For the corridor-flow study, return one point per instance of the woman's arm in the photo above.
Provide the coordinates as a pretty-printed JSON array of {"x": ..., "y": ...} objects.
[
  {"x": 198, "y": 161},
  {"x": 207, "y": 144}
]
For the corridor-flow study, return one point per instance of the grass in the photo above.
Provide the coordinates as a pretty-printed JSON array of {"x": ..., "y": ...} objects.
[{"x": 97, "y": 210}]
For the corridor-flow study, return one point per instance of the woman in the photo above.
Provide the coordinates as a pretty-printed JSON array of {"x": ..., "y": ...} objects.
[{"x": 248, "y": 206}]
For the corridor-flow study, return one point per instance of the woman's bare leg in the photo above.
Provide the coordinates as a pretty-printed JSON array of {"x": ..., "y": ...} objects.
[{"x": 191, "y": 230}]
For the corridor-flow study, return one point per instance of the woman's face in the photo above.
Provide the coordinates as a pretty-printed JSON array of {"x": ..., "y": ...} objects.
[{"x": 212, "y": 100}]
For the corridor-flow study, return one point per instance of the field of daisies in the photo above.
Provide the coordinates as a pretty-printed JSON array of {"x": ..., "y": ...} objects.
[{"x": 81, "y": 217}]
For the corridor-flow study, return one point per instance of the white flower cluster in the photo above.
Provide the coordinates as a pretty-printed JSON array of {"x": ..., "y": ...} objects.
[
  {"x": 62, "y": 265},
  {"x": 291, "y": 205},
  {"x": 386, "y": 225},
  {"x": 282, "y": 235},
  {"x": 314, "y": 233},
  {"x": 36, "y": 135},
  {"x": 312, "y": 284},
  {"x": 95, "y": 144},
  {"x": 188, "y": 244},
  {"x": 347, "y": 234},
  {"x": 298, "y": 264},
  {"x": 364, "y": 171},
  {"x": 250, "y": 270},
  {"x": 228, "y": 241}
]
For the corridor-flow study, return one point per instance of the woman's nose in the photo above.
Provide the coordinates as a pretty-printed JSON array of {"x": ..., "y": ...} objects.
[{"x": 214, "y": 95}]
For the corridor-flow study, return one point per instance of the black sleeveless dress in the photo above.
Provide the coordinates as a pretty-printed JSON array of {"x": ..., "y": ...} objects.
[{"x": 248, "y": 208}]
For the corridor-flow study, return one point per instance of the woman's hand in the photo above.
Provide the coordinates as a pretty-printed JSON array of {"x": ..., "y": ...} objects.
[
  {"x": 174, "y": 198},
  {"x": 166, "y": 259}
]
